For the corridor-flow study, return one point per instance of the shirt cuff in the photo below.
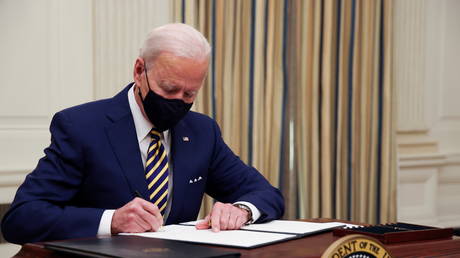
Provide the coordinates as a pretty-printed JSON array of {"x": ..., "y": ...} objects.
[
  {"x": 254, "y": 210},
  {"x": 105, "y": 226}
]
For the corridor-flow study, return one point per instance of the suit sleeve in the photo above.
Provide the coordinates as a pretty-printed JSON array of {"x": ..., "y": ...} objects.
[
  {"x": 42, "y": 207},
  {"x": 231, "y": 180}
]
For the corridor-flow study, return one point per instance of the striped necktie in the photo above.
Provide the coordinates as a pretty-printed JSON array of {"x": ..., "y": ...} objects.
[{"x": 156, "y": 169}]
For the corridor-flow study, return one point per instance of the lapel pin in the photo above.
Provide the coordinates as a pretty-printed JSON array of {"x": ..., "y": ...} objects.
[{"x": 185, "y": 139}]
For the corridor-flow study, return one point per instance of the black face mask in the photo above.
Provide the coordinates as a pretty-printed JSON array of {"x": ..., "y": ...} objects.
[{"x": 163, "y": 113}]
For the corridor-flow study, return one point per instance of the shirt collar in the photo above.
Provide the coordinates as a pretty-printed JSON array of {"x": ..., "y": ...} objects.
[{"x": 142, "y": 125}]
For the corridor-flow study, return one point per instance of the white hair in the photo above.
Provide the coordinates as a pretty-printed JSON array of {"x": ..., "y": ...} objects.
[{"x": 178, "y": 39}]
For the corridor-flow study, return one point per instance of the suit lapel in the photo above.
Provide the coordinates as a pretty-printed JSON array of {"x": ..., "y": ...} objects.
[
  {"x": 122, "y": 137},
  {"x": 178, "y": 154}
]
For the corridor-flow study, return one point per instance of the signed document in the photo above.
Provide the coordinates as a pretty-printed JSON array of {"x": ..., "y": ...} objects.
[
  {"x": 294, "y": 227},
  {"x": 251, "y": 236},
  {"x": 289, "y": 226},
  {"x": 230, "y": 238}
]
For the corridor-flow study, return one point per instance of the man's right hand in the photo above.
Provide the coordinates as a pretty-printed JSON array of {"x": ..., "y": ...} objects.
[{"x": 136, "y": 216}]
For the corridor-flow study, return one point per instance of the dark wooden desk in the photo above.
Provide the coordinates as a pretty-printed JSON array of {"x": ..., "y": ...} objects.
[{"x": 312, "y": 246}]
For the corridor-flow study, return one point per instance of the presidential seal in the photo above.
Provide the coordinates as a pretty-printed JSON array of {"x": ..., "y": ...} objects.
[{"x": 356, "y": 246}]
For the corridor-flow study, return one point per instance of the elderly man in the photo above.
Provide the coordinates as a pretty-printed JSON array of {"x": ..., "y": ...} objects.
[{"x": 140, "y": 159}]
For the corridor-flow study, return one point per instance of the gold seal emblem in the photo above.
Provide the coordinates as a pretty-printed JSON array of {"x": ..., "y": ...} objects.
[{"x": 356, "y": 246}]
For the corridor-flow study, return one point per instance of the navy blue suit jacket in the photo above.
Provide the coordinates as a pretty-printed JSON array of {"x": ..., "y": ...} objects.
[{"x": 93, "y": 163}]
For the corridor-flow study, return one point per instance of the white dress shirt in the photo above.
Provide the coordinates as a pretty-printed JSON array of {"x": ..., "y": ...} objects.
[{"x": 143, "y": 127}]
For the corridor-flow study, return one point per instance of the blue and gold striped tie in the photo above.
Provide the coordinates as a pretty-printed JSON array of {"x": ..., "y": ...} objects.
[{"x": 156, "y": 169}]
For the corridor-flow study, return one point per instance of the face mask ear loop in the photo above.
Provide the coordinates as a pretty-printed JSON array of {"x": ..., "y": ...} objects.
[
  {"x": 140, "y": 94},
  {"x": 146, "y": 77}
]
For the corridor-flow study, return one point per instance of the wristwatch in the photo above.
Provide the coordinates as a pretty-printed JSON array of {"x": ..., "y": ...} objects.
[{"x": 246, "y": 208}]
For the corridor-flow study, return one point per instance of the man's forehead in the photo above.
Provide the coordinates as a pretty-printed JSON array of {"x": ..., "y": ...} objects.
[
  {"x": 169, "y": 58},
  {"x": 180, "y": 68}
]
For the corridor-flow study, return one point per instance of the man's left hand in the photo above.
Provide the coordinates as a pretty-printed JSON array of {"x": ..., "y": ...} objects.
[{"x": 224, "y": 216}]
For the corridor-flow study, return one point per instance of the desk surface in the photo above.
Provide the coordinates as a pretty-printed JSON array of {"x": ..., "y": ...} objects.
[{"x": 311, "y": 246}]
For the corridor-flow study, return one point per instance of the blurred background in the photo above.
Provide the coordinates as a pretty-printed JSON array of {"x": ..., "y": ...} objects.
[{"x": 350, "y": 107}]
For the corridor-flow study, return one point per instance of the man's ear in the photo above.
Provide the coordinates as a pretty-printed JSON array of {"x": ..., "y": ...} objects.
[{"x": 138, "y": 71}]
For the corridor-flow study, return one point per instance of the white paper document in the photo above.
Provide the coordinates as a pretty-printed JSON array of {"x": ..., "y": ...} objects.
[
  {"x": 293, "y": 227},
  {"x": 233, "y": 238},
  {"x": 249, "y": 236},
  {"x": 289, "y": 226}
]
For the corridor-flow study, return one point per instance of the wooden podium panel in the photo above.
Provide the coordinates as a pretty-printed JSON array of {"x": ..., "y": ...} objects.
[
  {"x": 310, "y": 246},
  {"x": 398, "y": 232}
]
